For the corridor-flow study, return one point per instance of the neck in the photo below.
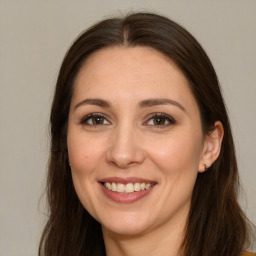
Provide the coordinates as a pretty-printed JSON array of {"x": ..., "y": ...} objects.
[{"x": 165, "y": 240}]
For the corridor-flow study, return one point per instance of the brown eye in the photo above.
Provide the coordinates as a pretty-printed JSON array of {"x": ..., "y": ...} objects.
[
  {"x": 160, "y": 119},
  {"x": 94, "y": 119},
  {"x": 97, "y": 120}
]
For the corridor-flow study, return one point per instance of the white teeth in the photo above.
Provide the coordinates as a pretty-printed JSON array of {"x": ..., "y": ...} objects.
[
  {"x": 120, "y": 187},
  {"x": 127, "y": 188},
  {"x": 108, "y": 186},
  {"x": 114, "y": 187},
  {"x": 137, "y": 187},
  {"x": 148, "y": 185}
]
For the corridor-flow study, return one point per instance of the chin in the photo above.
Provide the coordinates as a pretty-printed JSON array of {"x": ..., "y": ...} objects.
[{"x": 129, "y": 225}]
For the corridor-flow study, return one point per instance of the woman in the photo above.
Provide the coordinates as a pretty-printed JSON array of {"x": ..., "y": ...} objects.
[{"x": 142, "y": 157}]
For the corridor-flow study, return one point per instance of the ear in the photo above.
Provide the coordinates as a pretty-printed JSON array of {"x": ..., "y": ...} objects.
[{"x": 212, "y": 147}]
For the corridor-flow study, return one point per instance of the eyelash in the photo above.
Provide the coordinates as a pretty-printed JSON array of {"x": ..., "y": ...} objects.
[
  {"x": 165, "y": 117},
  {"x": 160, "y": 116},
  {"x": 84, "y": 120}
]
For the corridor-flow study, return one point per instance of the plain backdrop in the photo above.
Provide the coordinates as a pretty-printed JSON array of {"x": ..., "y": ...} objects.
[{"x": 34, "y": 38}]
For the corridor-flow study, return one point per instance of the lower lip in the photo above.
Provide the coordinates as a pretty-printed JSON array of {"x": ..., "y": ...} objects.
[{"x": 126, "y": 198}]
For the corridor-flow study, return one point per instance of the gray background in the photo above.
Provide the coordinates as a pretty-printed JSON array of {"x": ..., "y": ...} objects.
[{"x": 34, "y": 38}]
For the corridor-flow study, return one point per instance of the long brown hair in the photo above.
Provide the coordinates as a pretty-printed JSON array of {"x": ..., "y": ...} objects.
[{"x": 216, "y": 225}]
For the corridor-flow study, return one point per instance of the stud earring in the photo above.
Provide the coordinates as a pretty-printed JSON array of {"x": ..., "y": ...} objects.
[{"x": 206, "y": 167}]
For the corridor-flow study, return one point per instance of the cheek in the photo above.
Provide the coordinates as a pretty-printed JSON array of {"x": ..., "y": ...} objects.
[
  {"x": 177, "y": 159},
  {"x": 84, "y": 153},
  {"x": 177, "y": 156}
]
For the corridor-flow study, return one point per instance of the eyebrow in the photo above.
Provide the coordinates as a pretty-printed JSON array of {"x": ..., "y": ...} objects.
[
  {"x": 96, "y": 102},
  {"x": 155, "y": 102},
  {"x": 142, "y": 104}
]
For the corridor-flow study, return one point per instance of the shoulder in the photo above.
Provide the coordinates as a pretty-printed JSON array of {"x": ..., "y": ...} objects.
[{"x": 245, "y": 253}]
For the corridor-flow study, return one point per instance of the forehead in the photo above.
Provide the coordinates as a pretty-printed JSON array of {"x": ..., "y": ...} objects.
[
  {"x": 131, "y": 72},
  {"x": 130, "y": 62}
]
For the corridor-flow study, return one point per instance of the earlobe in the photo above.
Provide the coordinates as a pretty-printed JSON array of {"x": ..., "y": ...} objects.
[{"x": 212, "y": 147}]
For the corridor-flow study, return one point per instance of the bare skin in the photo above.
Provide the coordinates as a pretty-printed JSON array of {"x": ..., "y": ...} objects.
[{"x": 133, "y": 118}]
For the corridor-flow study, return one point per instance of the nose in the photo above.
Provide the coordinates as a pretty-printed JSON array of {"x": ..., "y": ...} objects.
[{"x": 125, "y": 149}]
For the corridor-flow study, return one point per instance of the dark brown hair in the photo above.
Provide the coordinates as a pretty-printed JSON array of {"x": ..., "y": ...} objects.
[{"x": 216, "y": 225}]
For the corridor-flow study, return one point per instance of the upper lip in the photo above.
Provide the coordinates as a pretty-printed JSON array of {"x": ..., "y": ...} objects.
[{"x": 126, "y": 180}]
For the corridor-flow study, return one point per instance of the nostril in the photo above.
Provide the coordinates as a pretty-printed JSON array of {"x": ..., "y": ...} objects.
[{"x": 125, "y": 157}]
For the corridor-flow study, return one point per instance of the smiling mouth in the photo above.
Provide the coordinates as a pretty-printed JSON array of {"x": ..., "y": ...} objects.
[{"x": 127, "y": 188}]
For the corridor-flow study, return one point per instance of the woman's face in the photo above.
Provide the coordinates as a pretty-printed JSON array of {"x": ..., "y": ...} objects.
[{"x": 135, "y": 142}]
